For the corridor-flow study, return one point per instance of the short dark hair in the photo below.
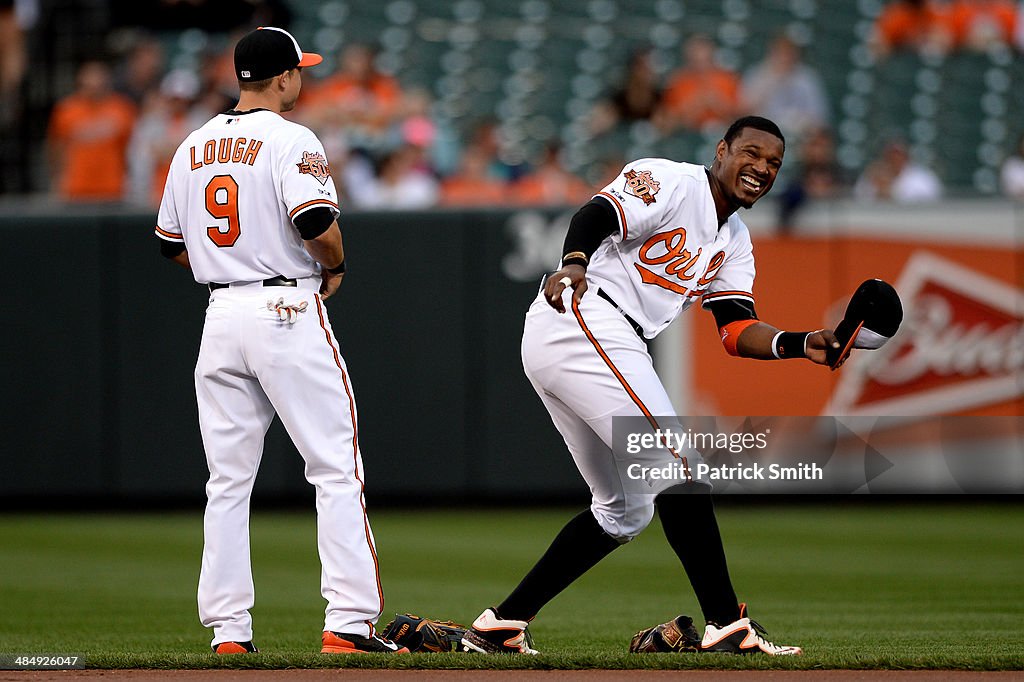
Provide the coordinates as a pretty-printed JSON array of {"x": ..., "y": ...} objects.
[
  {"x": 755, "y": 122},
  {"x": 255, "y": 86}
]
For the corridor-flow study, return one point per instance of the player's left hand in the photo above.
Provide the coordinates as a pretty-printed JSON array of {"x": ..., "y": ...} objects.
[
  {"x": 817, "y": 344},
  {"x": 571, "y": 275},
  {"x": 329, "y": 283}
]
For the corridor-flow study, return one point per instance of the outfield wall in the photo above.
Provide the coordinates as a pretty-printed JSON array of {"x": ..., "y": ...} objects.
[{"x": 102, "y": 336}]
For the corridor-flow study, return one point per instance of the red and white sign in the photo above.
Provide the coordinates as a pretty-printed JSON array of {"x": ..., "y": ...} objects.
[{"x": 961, "y": 347}]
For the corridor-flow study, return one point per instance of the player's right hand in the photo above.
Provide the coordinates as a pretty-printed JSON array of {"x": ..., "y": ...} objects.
[
  {"x": 817, "y": 344},
  {"x": 555, "y": 285},
  {"x": 329, "y": 283}
]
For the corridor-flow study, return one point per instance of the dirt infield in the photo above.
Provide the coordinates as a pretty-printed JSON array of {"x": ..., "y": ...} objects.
[{"x": 507, "y": 676}]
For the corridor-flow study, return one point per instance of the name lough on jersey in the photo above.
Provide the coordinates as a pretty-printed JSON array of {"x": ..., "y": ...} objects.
[{"x": 227, "y": 150}]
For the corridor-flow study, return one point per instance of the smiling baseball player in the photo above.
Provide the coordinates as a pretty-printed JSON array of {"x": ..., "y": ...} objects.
[
  {"x": 660, "y": 237},
  {"x": 249, "y": 206}
]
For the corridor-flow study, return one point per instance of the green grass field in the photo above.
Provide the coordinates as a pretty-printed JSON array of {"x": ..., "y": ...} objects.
[{"x": 936, "y": 586}]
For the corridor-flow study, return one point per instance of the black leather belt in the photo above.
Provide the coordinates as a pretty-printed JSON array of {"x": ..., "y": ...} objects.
[
  {"x": 279, "y": 281},
  {"x": 632, "y": 323}
]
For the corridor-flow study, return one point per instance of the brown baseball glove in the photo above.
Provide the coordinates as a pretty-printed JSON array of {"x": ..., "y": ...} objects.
[
  {"x": 423, "y": 635},
  {"x": 677, "y": 635}
]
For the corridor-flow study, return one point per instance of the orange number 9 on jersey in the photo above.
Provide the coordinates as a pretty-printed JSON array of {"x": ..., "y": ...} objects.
[{"x": 223, "y": 205}]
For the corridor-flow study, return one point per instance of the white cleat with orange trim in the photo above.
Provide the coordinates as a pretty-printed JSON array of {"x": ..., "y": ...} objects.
[
  {"x": 743, "y": 636},
  {"x": 492, "y": 635}
]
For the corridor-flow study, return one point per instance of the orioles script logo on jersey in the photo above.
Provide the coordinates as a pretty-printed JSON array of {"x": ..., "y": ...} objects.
[
  {"x": 961, "y": 347},
  {"x": 668, "y": 249},
  {"x": 314, "y": 163},
  {"x": 641, "y": 184}
]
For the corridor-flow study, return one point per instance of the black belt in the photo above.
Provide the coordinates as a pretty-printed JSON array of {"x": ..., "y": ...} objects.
[
  {"x": 632, "y": 323},
  {"x": 279, "y": 281}
]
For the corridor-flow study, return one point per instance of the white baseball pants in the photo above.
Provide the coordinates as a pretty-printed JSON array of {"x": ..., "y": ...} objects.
[
  {"x": 589, "y": 366},
  {"x": 251, "y": 365}
]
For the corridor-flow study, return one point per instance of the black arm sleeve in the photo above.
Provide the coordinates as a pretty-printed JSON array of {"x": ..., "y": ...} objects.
[
  {"x": 314, "y": 222},
  {"x": 590, "y": 226},
  {"x": 732, "y": 310},
  {"x": 170, "y": 249}
]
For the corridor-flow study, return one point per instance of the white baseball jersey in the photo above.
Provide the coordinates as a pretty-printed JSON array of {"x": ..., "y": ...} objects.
[
  {"x": 233, "y": 189},
  {"x": 669, "y": 249},
  {"x": 589, "y": 366}
]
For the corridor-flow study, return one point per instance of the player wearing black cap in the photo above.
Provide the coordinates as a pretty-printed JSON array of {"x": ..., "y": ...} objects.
[{"x": 250, "y": 208}]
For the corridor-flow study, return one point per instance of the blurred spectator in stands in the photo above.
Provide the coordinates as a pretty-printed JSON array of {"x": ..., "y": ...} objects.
[
  {"x": 404, "y": 182},
  {"x": 168, "y": 120},
  {"x": 218, "y": 83},
  {"x": 473, "y": 184},
  {"x": 921, "y": 25},
  {"x": 417, "y": 124},
  {"x": 138, "y": 76},
  {"x": 358, "y": 99},
  {"x": 17, "y": 145},
  {"x": 88, "y": 138},
  {"x": 351, "y": 171},
  {"x": 980, "y": 24},
  {"x": 486, "y": 138},
  {"x": 607, "y": 170},
  {"x": 786, "y": 90},
  {"x": 1018, "y": 30},
  {"x": 1011, "y": 176},
  {"x": 636, "y": 98},
  {"x": 894, "y": 176},
  {"x": 702, "y": 93},
  {"x": 816, "y": 175},
  {"x": 13, "y": 55},
  {"x": 550, "y": 183}
]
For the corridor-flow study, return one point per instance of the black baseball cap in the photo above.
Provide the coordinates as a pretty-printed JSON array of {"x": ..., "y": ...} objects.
[{"x": 268, "y": 52}]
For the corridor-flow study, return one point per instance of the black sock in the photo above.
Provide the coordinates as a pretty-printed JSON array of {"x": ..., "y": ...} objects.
[
  {"x": 577, "y": 548},
  {"x": 692, "y": 530}
]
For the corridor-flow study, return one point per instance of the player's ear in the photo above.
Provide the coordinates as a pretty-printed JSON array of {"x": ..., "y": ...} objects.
[{"x": 721, "y": 149}]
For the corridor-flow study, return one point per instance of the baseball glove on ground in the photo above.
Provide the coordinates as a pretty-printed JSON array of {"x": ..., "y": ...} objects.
[
  {"x": 424, "y": 635},
  {"x": 677, "y": 635}
]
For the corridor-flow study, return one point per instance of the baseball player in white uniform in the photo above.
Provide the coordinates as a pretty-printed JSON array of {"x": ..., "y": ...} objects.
[
  {"x": 661, "y": 236},
  {"x": 250, "y": 207}
]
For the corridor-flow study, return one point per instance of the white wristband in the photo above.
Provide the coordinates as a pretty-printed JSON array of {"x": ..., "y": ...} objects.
[{"x": 775, "y": 345}]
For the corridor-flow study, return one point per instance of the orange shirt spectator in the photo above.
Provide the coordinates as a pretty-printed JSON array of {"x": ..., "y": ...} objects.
[
  {"x": 914, "y": 24},
  {"x": 552, "y": 188},
  {"x": 702, "y": 93},
  {"x": 472, "y": 186},
  {"x": 357, "y": 96},
  {"x": 551, "y": 184},
  {"x": 89, "y": 133},
  {"x": 977, "y": 24}
]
